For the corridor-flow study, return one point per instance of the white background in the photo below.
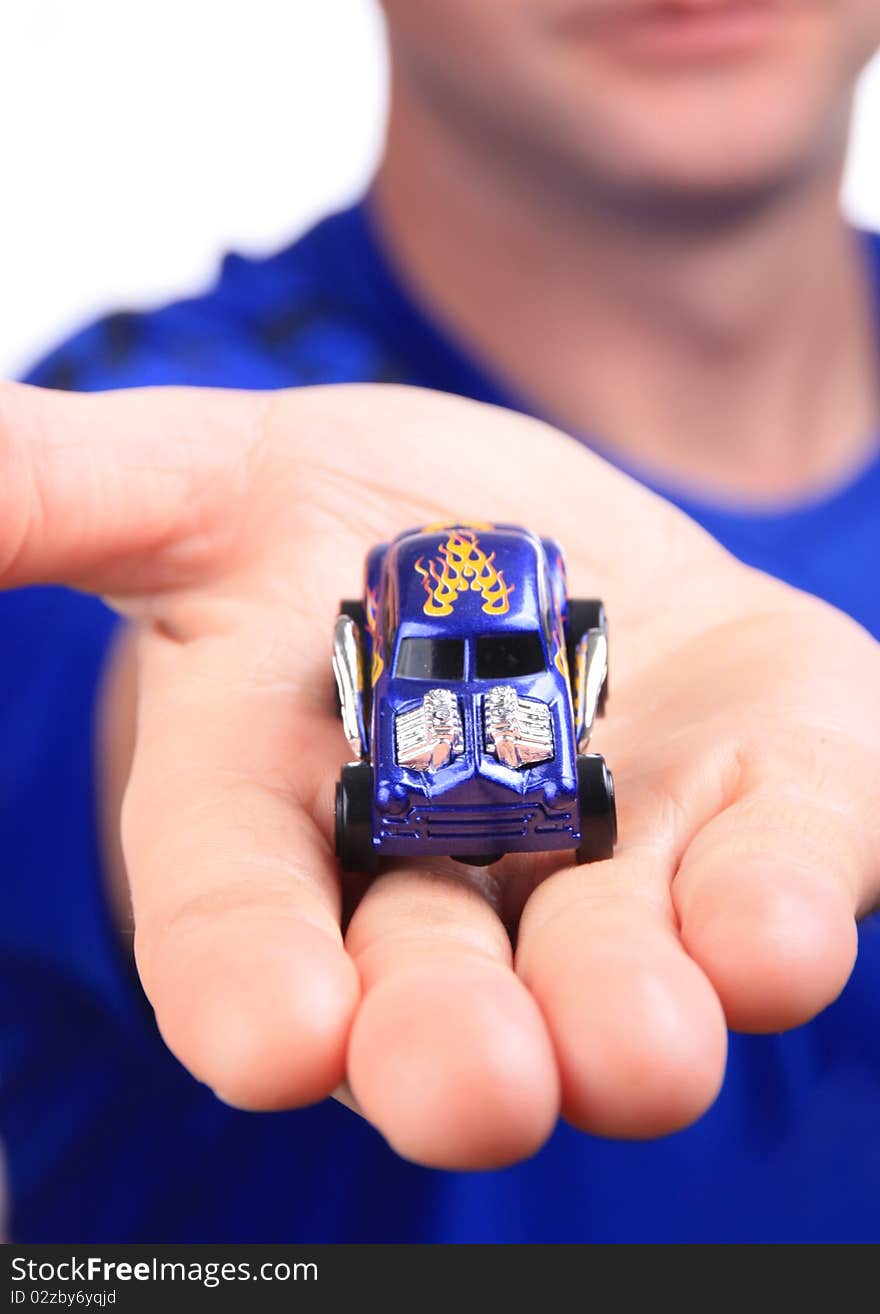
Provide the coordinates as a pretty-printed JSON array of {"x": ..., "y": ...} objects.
[{"x": 142, "y": 138}]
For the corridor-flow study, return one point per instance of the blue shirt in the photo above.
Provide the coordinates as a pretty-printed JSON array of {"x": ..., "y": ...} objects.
[{"x": 109, "y": 1139}]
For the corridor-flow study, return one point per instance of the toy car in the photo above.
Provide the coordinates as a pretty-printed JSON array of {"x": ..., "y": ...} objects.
[{"x": 468, "y": 685}]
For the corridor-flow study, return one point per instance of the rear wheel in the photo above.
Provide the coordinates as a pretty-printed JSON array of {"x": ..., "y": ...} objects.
[
  {"x": 585, "y": 614},
  {"x": 354, "y": 819},
  {"x": 355, "y": 609},
  {"x": 598, "y": 810}
]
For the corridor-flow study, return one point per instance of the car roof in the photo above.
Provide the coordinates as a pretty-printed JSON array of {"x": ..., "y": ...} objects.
[{"x": 465, "y": 579}]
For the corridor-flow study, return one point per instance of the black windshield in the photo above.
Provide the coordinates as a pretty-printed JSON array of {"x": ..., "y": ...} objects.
[
  {"x": 505, "y": 656},
  {"x": 430, "y": 659}
]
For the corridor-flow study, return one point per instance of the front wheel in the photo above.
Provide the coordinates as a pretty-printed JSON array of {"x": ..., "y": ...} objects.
[
  {"x": 598, "y": 809},
  {"x": 354, "y": 819}
]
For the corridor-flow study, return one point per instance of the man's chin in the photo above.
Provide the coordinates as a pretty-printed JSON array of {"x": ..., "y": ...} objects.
[
  {"x": 725, "y": 184},
  {"x": 709, "y": 144}
]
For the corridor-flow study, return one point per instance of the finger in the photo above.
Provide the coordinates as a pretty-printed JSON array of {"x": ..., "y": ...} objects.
[
  {"x": 767, "y": 895},
  {"x": 147, "y": 489},
  {"x": 638, "y": 1031},
  {"x": 343, "y": 1095},
  {"x": 121, "y": 491},
  {"x": 234, "y": 886},
  {"x": 449, "y": 1057}
]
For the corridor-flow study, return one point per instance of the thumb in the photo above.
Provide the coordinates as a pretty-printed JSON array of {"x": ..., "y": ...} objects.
[{"x": 120, "y": 492}]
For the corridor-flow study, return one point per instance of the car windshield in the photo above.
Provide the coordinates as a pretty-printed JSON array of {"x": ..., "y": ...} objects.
[
  {"x": 505, "y": 656},
  {"x": 430, "y": 659}
]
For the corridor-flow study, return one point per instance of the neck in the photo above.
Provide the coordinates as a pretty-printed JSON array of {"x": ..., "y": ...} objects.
[{"x": 732, "y": 354}]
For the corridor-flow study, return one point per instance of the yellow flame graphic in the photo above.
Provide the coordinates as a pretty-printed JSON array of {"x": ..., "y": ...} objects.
[
  {"x": 372, "y": 610},
  {"x": 463, "y": 565},
  {"x": 560, "y": 657}
]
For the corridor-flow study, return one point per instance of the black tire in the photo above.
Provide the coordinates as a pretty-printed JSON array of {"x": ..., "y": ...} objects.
[
  {"x": 477, "y": 859},
  {"x": 354, "y": 819},
  {"x": 354, "y": 609},
  {"x": 585, "y": 614},
  {"x": 598, "y": 810}
]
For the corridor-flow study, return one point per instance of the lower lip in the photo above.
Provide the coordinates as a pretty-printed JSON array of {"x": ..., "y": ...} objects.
[{"x": 688, "y": 32}]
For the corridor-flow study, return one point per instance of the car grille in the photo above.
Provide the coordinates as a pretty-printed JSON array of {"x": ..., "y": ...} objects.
[{"x": 501, "y": 821}]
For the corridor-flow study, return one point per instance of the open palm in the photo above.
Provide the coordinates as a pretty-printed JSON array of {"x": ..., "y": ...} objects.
[{"x": 464, "y": 1008}]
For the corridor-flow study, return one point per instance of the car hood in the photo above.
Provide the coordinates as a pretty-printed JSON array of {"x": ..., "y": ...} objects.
[{"x": 475, "y": 772}]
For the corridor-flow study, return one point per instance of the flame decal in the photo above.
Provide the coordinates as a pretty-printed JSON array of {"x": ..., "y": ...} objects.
[
  {"x": 561, "y": 581},
  {"x": 463, "y": 565},
  {"x": 560, "y": 656},
  {"x": 372, "y": 611}
]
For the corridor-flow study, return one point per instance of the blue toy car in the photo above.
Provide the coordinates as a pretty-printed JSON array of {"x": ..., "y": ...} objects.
[{"x": 468, "y": 685}]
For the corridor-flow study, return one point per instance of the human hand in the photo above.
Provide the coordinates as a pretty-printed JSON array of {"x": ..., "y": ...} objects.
[{"x": 743, "y": 732}]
